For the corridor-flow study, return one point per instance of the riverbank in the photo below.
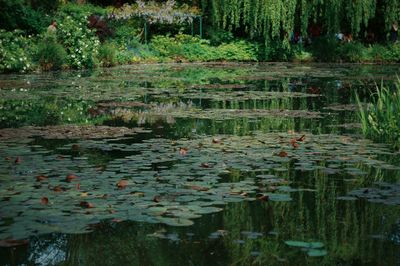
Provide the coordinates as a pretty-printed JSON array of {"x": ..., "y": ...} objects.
[{"x": 77, "y": 44}]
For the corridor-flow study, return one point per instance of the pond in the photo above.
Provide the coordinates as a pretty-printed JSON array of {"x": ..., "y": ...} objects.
[{"x": 196, "y": 164}]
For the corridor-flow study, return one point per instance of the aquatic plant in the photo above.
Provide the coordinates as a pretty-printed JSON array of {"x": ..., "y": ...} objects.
[{"x": 381, "y": 121}]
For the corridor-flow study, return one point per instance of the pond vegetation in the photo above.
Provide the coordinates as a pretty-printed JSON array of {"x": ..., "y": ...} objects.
[
  {"x": 190, "y": 163},
  {"x": 177, "y": 132}
]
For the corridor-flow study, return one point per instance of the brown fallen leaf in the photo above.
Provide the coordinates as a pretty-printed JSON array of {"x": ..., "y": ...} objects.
[
  {"x": 78, "y": 186},
  {"x": 44, "y": 201},
  {"x": 70, "y": 177},
  {"x": 122, "y": 184},
  {"x": 7, "y": 158},
  {"x": 85, "y": 204},
  {"x": 41, "y": 177},
  {"x": 9, "y": 243}
]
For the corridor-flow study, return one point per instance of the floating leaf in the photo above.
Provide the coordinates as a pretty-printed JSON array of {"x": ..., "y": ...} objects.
[
  {"x": 70, "y": 178},
  {"x": 122, "y": 184},
  {"x": 41, "y": 177},
  {"x": 317, "y": 252},
  {"x": 44, "y": 201}
]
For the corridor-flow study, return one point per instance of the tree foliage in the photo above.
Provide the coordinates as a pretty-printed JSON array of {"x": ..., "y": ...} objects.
[{"x": 276, "y": 19}]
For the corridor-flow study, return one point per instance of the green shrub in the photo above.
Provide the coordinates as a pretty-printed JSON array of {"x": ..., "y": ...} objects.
[
  {"x": 381, "y": 121},
  {"x": 79, "y": 11},
  {"x": 394, "y": 51},
  {"x": 126, "y": 33},
  {"x": 80, "y": 42},
  {"x": 107, "y": 55},
  {"x": 15, "y": 51},
  {"x": 50, "y": 54},
  {"x": 191, "y": 48},
  {"x": 352, "y": 52}
]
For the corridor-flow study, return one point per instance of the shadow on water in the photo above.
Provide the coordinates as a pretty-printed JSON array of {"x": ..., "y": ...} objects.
[{"x": 215, "y": 167}]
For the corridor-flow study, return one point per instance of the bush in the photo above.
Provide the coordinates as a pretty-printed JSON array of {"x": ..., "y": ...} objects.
[
  {"x": 50, "y": 54},
  {"x": 80, "y": 42},
  {"x": 191, "y": 48},
  {"x": 80, "y": 11},
  {"x": 15, "y": 51},
  {"x": 107, "y": 55},
  {"x": 17, "y": 15},
  {"x": 352, "y": 52},
  {"x": 381, "y": 121}
]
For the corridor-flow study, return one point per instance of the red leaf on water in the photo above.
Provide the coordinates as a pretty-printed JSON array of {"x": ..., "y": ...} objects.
[
  {"x": 41, "y": 177},
  {"x": 85, "y": 204},
  {"x": 18, "y": 160},
  {"x": 70, "y": 177},
  {"x": 9, "y": 243},
  {"x": 294, "y": 143},
  {"x": 183, "y": 151},
  {"x": 78, "y": 186},
  {"x": 44, "y": 201},
  {"x": 122, "y": 184},
  {"x": 282, "y": 154},
  {"x": 301, "y": 138}
]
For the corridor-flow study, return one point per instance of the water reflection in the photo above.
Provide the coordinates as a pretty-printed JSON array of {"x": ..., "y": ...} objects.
[{"x": 186, "y": 101}]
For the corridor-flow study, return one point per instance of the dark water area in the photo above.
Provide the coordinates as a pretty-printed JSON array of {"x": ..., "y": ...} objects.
[{"x": 196, "y": 164}]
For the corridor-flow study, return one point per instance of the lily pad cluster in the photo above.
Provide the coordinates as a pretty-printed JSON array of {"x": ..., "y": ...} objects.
[
  {"x": 382, "y": 192},
  {"x": 158, "y": 180}
]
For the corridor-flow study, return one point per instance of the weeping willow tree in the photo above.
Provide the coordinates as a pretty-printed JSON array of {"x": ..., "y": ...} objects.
[{"x": 275, "y": 20}]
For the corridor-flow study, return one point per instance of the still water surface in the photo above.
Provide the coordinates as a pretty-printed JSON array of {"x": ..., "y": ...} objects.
[{"x": 196, "y": 164}]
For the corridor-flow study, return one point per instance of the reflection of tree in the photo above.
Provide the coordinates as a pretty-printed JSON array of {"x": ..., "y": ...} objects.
[{"x": 346, "y": 228}]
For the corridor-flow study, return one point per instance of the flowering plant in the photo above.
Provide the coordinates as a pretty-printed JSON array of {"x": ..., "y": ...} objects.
[
  {"x": 15, "y": 51},
  {"x": 166, "y": 13},
  {"x": 79, "y": 41}
]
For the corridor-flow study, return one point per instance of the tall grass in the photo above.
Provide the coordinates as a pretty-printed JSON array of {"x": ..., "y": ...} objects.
[{"x": 380, "y": 121}]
